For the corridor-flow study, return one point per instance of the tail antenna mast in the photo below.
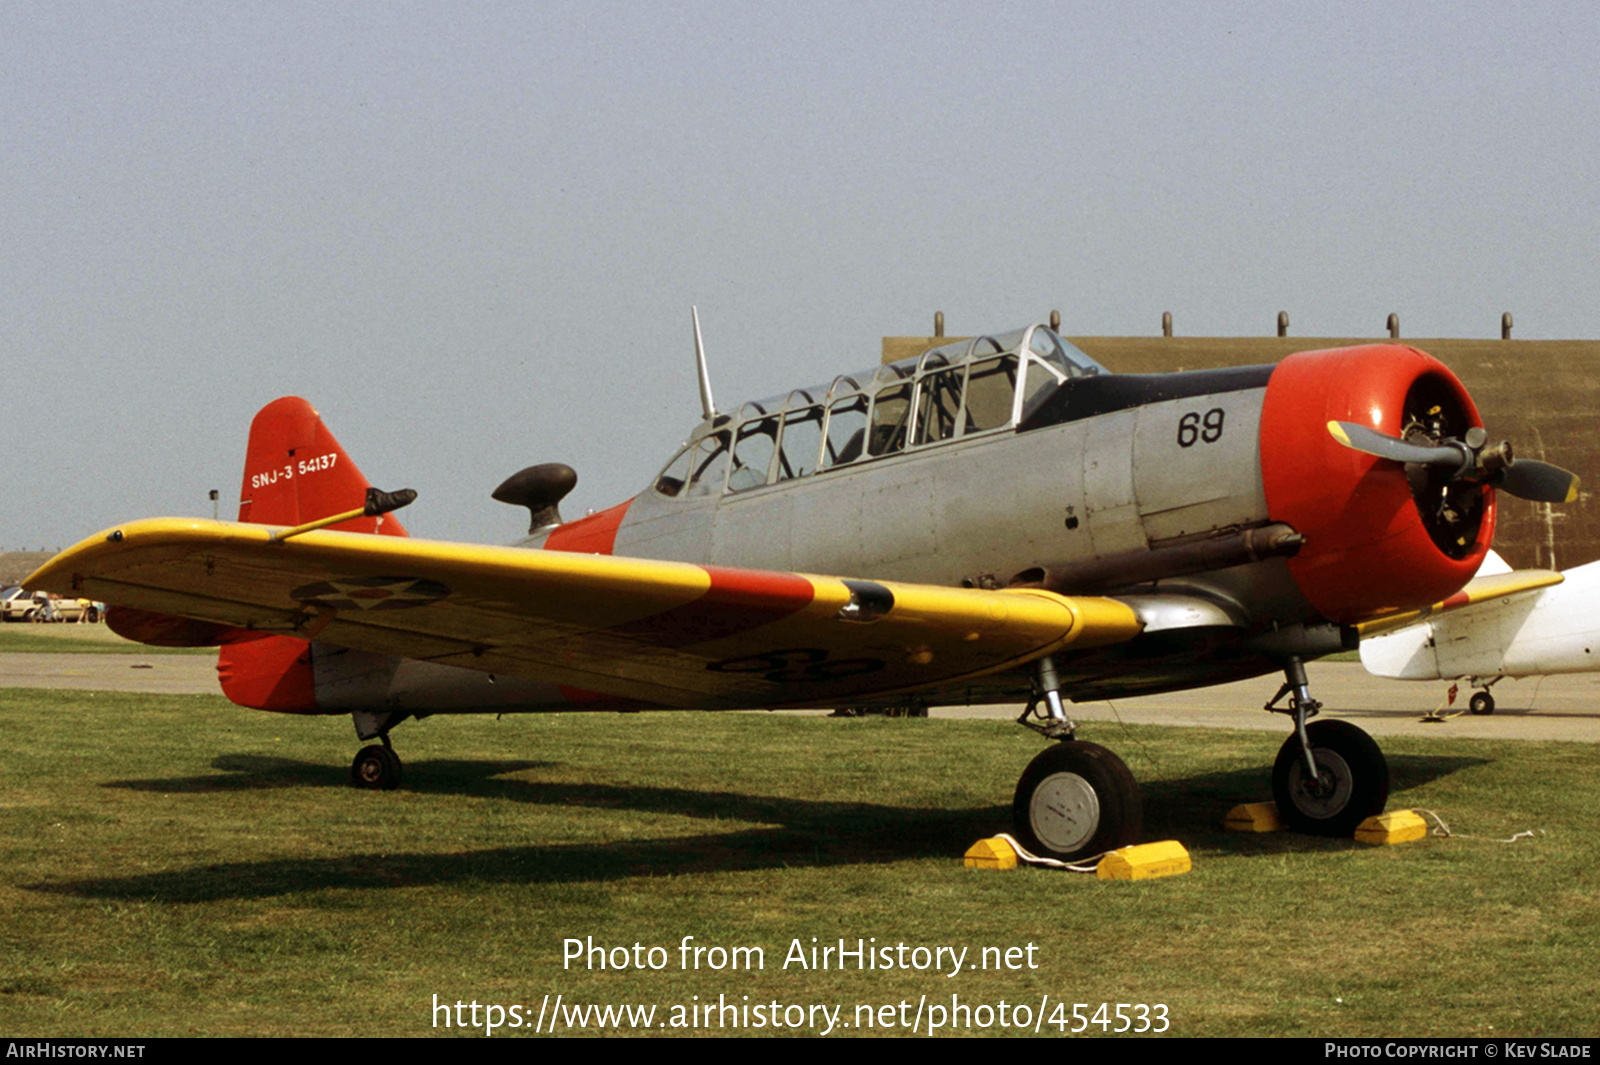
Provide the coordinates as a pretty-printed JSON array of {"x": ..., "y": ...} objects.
[{"x": 708, "y": 408}]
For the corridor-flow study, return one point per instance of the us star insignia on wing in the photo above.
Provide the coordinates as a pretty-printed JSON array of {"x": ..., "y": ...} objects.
[{"x": 371, "y": 593}]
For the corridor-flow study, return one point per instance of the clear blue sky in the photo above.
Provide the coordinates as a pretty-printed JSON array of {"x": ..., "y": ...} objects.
[{"x": 471, "y": 233}]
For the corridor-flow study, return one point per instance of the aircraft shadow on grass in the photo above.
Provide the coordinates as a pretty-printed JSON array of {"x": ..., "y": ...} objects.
[
  {"x": 253, "y": 772},
  {"x": 784, "y": 832}
]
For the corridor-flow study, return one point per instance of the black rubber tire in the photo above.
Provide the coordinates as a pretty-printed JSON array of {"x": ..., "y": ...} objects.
[
  {"x": 1360, "y": 780},
  {"x": 376, "y": 767},
  {"x": 1481, "y": 703},
  {"x": 1077, "y": 800}
]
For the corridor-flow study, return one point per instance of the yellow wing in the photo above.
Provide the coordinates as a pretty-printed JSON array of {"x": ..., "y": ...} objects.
[
  {"x": 663, "y": 633},
  {"x": 1477, "y": 590}
]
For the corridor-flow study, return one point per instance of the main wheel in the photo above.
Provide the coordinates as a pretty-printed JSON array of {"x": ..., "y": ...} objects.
[
  {"x": 1077, "y": 800},
  {"x": 1481, "y": 703},
  {"x": 1352, "y": 780},
  {"x": 377, "y": 767}
]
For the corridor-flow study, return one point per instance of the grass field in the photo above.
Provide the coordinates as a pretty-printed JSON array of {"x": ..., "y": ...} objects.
[
  {"x": 176, "y": 866},
  {"x": 20, "y": 638}
]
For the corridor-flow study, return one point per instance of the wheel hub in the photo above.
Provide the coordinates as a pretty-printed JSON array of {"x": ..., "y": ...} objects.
[
  {"x": 1064, "y": 811},
  {"x": 1327, "y": 794}
]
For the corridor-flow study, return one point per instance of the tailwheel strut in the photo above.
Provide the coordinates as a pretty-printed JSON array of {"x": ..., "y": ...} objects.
[{"x": 376, "y": 766}]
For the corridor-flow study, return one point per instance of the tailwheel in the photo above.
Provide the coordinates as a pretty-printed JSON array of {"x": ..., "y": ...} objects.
[
  {"x": 1077, "y": 800},
  {"x": 1352, "y": 781},
  {"x": 376, "y": 766}
]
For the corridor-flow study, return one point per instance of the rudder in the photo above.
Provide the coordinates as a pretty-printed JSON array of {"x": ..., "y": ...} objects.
[{"x": 294, "y": 472}]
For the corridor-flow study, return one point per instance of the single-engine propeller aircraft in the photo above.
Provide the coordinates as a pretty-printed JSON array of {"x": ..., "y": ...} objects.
[{"x": 999, "y": 520}]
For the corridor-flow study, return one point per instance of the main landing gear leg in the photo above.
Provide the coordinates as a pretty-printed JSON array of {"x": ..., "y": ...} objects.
[
  {"x": 376, "y": 765},
  {"x": 1482, "y": 702},
  {"x": 1076, "y": 799},
  {"x": 1329, "y": 776},
  {"x": 1297, "y": 686},
  {"x": 1053, "y": 723}
]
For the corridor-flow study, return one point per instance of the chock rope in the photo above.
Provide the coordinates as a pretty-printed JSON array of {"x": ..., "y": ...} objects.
[
  {"x": 1443, "y": 830},
  {"x": 1053, "y": 863},
  {"x": 1435, "y": 717}
]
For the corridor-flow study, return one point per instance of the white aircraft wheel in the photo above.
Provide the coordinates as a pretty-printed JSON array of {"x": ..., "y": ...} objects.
[
  {"x": 1076, "y": 800},
  {"x": 377, "y": 767},
  {"x": 1481, "y": 703},
  {"x": 1352, "y": 780}
]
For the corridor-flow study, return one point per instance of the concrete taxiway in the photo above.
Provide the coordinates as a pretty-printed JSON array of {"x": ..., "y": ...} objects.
[
  {"x": 1544, "y": 708},
  {"x": 1549, "y": 708},
  {"x": 164, "y": 674}
]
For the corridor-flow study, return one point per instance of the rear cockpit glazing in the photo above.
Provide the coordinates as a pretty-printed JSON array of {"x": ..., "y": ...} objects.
[{"x": 957, "y": 391}]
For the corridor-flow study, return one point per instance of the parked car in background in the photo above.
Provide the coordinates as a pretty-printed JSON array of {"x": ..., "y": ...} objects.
[
  {"x": 21, "y": 605},
  {"x": 15, "y": 603}
]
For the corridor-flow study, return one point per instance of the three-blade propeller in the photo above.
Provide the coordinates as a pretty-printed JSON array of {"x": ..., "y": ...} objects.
[{"x": 1470, "y": 460}]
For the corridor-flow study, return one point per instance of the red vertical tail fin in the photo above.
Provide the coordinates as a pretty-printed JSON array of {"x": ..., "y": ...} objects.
[{"x": 294, "y": 472}]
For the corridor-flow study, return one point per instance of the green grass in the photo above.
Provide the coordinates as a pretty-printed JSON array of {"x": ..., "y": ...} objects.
[
  {"x": 177, "y": 866},
  {"x": 20, "y": 638}
]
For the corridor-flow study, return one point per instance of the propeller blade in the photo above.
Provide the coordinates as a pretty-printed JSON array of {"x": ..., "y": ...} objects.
[
  {"x": 1524, "y": 478},
  {"x": 1370, "y": 442},
  {"x": 1539, "y": 481}
]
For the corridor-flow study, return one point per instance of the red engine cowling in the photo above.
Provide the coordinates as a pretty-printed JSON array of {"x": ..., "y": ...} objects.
[{"x": 1379, "y": 538}]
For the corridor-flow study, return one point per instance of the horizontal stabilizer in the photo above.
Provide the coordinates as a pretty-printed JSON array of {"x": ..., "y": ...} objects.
[{"x": 168, "y": 630}]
